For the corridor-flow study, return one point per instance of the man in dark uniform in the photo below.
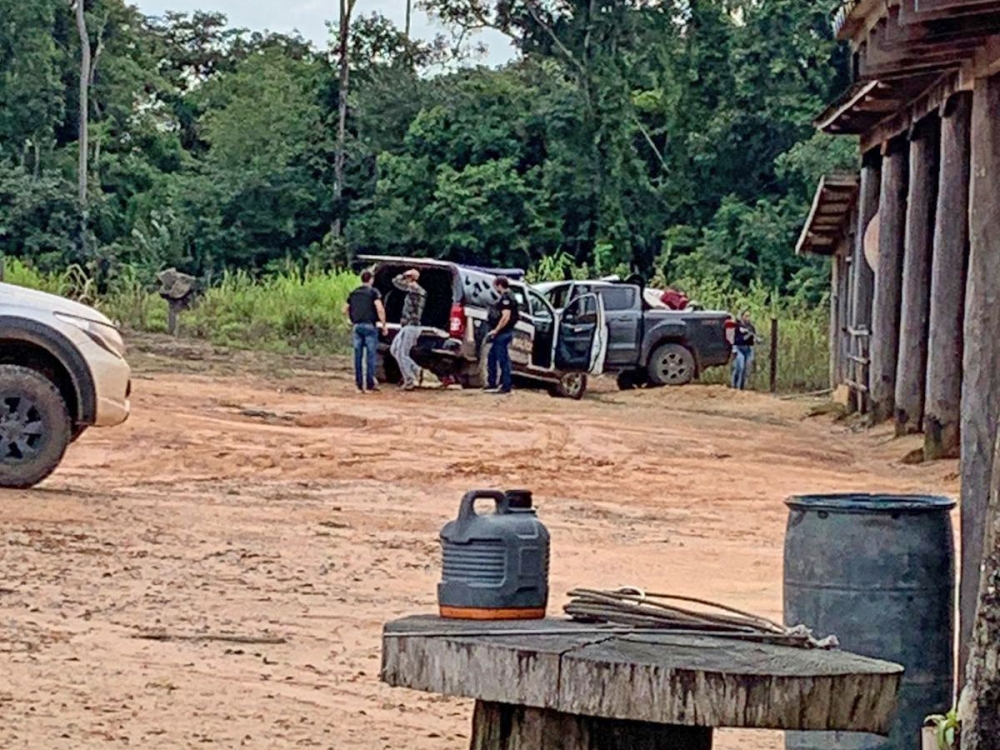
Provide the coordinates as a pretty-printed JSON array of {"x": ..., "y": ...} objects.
[
  {"x": 365, "y": 309},
  {"x": 502, "y": 319}
]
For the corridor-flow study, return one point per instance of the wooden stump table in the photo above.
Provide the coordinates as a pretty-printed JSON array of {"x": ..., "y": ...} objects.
[{"x": 557, "y": 685}]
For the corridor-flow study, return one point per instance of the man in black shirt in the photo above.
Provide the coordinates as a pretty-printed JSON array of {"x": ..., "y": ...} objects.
[
  {"x": 364, "y": 308},
  {"x": 502, "y": 319}
]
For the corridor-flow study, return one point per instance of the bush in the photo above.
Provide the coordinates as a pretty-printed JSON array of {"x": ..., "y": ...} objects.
[{"x": 290, "y": 311}]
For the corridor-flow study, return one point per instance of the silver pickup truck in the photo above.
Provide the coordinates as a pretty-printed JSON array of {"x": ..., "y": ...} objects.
[{"x": 555, "y": 349}]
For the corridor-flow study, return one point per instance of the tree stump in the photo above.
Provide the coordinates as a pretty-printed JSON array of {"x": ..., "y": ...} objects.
[
  {"x": 500, "y": 726},
  {"x": 180, "y": 291},
  {"x": 558, "y": 685}
]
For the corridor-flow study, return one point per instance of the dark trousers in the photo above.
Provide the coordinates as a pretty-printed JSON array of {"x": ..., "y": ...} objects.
[
  {"x": 365, "y": 347},
  {"x": 499, "y": 357}
]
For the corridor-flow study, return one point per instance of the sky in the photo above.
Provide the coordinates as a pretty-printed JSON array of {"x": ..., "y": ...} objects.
[{"x": 309, "y": 18}]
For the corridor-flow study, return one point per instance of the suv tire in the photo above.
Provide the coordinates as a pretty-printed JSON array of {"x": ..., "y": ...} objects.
[
  {"x": 35, "y": 427},
  {"x": 671, "y": 364}
]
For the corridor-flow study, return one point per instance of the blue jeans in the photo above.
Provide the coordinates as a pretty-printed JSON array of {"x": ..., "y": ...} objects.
[
  {"x": 741, "y": 366},
  {"x": 365, "y": 344},
  {"x": 499, "y": 357}
]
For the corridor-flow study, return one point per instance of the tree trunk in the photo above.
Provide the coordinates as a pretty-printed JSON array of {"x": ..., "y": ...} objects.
[
  {"x": 85, "y": 73},
  {"x": 409, "y": 17},
  {"x": 911, "y": 369},
  {"x": 862, "y": 277},
  {"x": 498, "y": 726},
  {"x": 888, "y": 281},
  {"x": 951, "y": 258},
  {"x": 981, "y": 360},
  {"x": 980, "y": 705},
  {"x": 346, "y": 8}
]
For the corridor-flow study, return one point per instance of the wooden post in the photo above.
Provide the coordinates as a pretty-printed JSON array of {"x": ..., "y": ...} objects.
[
  {"x": 844, "y": 313},
  {"x": 951, "y": 258},
  {"x": 834, "y": 333},
  {"x": 500, "y": 726},
  {"x": 981, "y": 698},
  {"x": 911, "y": 369},
  {"x": 888, "y": 281},
  {"x": 981, "y": 360},
  {"x": 862, "y": 277},
  {"x": 774, "y": 355}
]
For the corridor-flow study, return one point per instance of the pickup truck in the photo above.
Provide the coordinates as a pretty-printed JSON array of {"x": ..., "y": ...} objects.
[
  {"x": 648, "y": 345},
  {"x": 554, "y": 350}
]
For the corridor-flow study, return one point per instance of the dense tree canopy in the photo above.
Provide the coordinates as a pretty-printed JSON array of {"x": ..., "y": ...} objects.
[{"x": 667, "y": 135}]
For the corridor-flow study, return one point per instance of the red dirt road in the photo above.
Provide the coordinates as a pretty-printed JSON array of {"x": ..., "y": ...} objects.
[{"x": 247, "y": 497}]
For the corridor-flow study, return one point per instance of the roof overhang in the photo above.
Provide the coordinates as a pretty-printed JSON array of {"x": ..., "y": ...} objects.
[
  {"x": 867, "y": 103},
  {"x": 826, "y": 226}
]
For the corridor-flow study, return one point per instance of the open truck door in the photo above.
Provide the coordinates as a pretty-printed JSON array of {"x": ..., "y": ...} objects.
[{"x": 582, "y": 339}]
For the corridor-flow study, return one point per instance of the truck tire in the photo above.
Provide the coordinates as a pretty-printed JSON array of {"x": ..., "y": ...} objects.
[
  {"x": 35, "y": 427},
  {"x": 571, "y": 385},
  {"x": 387, "y": 370},
  {"x": 671, "y": 364}
]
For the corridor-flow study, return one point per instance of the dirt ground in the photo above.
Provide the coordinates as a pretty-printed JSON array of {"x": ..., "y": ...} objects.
[{"x": 259, "y": 496}]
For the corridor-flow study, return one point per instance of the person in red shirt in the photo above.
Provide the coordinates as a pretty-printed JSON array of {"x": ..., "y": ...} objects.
[{"x": 675, "y": 300}]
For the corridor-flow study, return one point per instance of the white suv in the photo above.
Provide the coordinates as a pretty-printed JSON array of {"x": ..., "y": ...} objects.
[{"x": 62, "y": 369}]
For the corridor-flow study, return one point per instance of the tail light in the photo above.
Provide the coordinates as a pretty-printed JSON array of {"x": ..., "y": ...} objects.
[
  {"x": 456, "y": 323},
  {"x": 730, "y": 330}
]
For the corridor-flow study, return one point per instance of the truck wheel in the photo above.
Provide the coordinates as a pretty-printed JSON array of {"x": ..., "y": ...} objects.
[
  {"x": 671, "y": 364},
  {"x": 34, "y": 427},
  {"x": 571, "y": 385},
  {"x": 387, "y": 370}
]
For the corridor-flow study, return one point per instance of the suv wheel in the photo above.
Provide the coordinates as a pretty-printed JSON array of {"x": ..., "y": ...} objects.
[
  {"x": 671, "y": 364},
  {"x": 34, "y": 427}
]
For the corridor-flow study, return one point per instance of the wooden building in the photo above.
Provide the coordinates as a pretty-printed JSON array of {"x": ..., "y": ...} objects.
[{"x": 916, "y": 324}]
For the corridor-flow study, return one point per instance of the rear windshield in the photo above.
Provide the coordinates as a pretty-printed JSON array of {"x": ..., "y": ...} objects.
[{"x": 618, "y": 297}]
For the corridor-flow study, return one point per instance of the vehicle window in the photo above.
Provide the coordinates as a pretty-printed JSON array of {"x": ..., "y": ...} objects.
[
  {"x": 519, "y": 296},
  {"x": 583, "y": 309},
  {"x": 559, "y": 296},
  {"x": 538, "y": 307},
  {"x": 618, "y": 297}
]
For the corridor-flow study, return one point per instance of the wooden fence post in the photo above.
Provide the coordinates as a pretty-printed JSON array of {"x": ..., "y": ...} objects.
[{"x": 774, "y": 355}]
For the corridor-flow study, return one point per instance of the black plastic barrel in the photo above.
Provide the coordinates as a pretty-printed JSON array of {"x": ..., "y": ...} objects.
[{"x": 878, "y": 572}]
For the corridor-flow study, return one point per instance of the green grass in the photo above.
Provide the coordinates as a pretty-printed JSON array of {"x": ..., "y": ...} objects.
[
  {"x": 291, "y": 311},
  {"x": 803, "y": 330},
  {"x": 302, "y": 311}
]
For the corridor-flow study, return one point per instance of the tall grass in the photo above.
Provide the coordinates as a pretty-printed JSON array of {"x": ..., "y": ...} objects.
[
  {"x": 302, "y": 311},
  {"x": 291, "y": 311},
  {"x": 803, "y": 359}
]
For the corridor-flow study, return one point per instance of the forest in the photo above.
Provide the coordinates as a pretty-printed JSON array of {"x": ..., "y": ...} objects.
[{"x": 671, "y": 138}]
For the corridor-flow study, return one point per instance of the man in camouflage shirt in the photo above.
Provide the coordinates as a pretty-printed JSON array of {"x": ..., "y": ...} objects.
[{"x": 410, "y": 323}]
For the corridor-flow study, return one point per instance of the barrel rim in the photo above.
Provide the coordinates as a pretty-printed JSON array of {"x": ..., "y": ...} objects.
[{"x": 863, "y": 502}]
